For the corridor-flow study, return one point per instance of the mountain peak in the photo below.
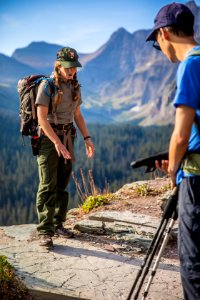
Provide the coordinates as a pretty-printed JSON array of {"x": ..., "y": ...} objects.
[
  {"x": 193, "y": 7},
  {"x": 34, "y": 52},
  {"x": 42, "y": 44},
  {"x": 119, "y": 32},
  {"x": 191, "y": 3},
  {"x": 37, "y": 46}
]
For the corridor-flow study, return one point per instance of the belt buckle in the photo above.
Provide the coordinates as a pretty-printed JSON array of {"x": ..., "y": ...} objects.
[{"x": 66, "y": 127}]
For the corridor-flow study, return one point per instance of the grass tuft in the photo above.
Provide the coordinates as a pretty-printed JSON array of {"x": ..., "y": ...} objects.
[{"x": 92, "y": 202}]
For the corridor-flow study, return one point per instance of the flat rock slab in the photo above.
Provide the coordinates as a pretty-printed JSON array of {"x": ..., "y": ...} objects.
[
  {"x": 126, "y": 217},
  {"x": 74, "y": 268},
  {"x": 124, "y": 225},
  {"x": 115, "y": 222}
]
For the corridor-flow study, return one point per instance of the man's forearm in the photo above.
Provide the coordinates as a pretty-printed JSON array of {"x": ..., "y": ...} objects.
[
  {"x": 177, "y": 149},
  {"x": 180, "y": 137}
]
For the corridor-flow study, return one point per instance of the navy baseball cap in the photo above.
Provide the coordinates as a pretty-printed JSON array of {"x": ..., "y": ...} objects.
[{"x": 172, "y": 14}]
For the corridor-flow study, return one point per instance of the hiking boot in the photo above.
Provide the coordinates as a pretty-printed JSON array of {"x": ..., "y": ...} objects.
[
  {"x": 61, "y": 231},
  {"x": 46, "y": 240}
]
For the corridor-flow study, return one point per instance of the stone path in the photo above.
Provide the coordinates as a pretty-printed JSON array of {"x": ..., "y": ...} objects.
[{"x": 77, "y": 269}]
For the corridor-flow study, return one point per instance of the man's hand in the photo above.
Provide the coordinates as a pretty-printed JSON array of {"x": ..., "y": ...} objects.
[
  {"x": 172, "y": 178},
  {"x": 89, "y": 148},
  {"x": 164, "y": 167}
]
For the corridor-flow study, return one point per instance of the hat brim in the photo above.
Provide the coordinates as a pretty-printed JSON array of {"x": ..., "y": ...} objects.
[
  {"x": 70, "y": 64},
  {"x": 152, "y": 35}
]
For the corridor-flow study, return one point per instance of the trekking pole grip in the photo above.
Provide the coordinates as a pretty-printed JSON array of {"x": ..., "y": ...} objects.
[{"x": 171, "y": 205}]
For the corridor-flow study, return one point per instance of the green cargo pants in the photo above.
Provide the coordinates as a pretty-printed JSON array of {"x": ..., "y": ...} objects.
[{"x": 52, "y": 199}]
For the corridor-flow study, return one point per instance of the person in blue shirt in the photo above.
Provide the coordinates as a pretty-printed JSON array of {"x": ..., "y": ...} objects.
[{"x": 173, "y": 34}]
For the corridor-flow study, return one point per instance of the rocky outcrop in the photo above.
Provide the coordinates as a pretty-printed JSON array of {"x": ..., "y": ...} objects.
[{"x": 102, "y": 260}]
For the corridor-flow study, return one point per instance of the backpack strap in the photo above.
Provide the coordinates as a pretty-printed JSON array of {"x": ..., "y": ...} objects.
[
  {"x": 54, "y": 107},
  {"x": 195, "y": 53},
  {"x": 53, "y": 91},
  {"x": 33, "y": 108},
  {"x": 33, "y": 104}
]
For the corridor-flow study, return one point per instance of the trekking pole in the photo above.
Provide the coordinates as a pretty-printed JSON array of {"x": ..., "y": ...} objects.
[
  {"x": 169, "y": 210},
  {"x": 149, "y": 256},
  {"x": 164, "y": 243}
]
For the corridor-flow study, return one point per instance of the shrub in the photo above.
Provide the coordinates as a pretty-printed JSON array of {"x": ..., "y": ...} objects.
[
  {"x": 143, "y": 189},
  {"x": 6, "y": 270},
  {"x": 10, "y": 286},
  {"x": 92, "y": 202}
]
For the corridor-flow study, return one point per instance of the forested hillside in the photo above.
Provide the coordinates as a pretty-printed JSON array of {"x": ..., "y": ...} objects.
[{"x": 116, "y": 146}]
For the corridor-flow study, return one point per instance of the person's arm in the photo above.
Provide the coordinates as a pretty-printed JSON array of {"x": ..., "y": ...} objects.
[
  {"x": 80, "y": 122},
  {"x": 179, "y": 140},
  {"x": 42, "y": 112}
]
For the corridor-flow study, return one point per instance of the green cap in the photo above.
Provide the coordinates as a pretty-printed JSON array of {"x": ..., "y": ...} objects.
[{"x": 68, "y": 58}]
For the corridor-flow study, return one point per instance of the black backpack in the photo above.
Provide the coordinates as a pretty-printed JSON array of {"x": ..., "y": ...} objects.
[{"x": 27, "y": 89}]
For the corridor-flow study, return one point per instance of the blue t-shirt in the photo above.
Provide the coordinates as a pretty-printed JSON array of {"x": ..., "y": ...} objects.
[{"x": 188, "y": 93}]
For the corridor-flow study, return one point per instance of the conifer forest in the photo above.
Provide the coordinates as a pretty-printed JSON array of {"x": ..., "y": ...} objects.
[{"x": 116, "y": 146}]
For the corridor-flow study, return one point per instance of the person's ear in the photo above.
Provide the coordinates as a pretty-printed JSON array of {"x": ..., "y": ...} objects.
[
  {"x": 164, "y": 33},
  {"x": 58, "y": 69}
]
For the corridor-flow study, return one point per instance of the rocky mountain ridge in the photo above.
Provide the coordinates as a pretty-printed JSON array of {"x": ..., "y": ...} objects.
[{"x": 125, "y": 80}]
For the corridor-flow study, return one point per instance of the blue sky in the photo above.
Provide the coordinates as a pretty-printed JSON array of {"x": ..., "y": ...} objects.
[{"x": 83, "y": 24}]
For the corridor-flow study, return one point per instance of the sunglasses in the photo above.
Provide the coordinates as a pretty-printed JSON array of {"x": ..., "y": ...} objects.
[{"x": 156, "y": 46}]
